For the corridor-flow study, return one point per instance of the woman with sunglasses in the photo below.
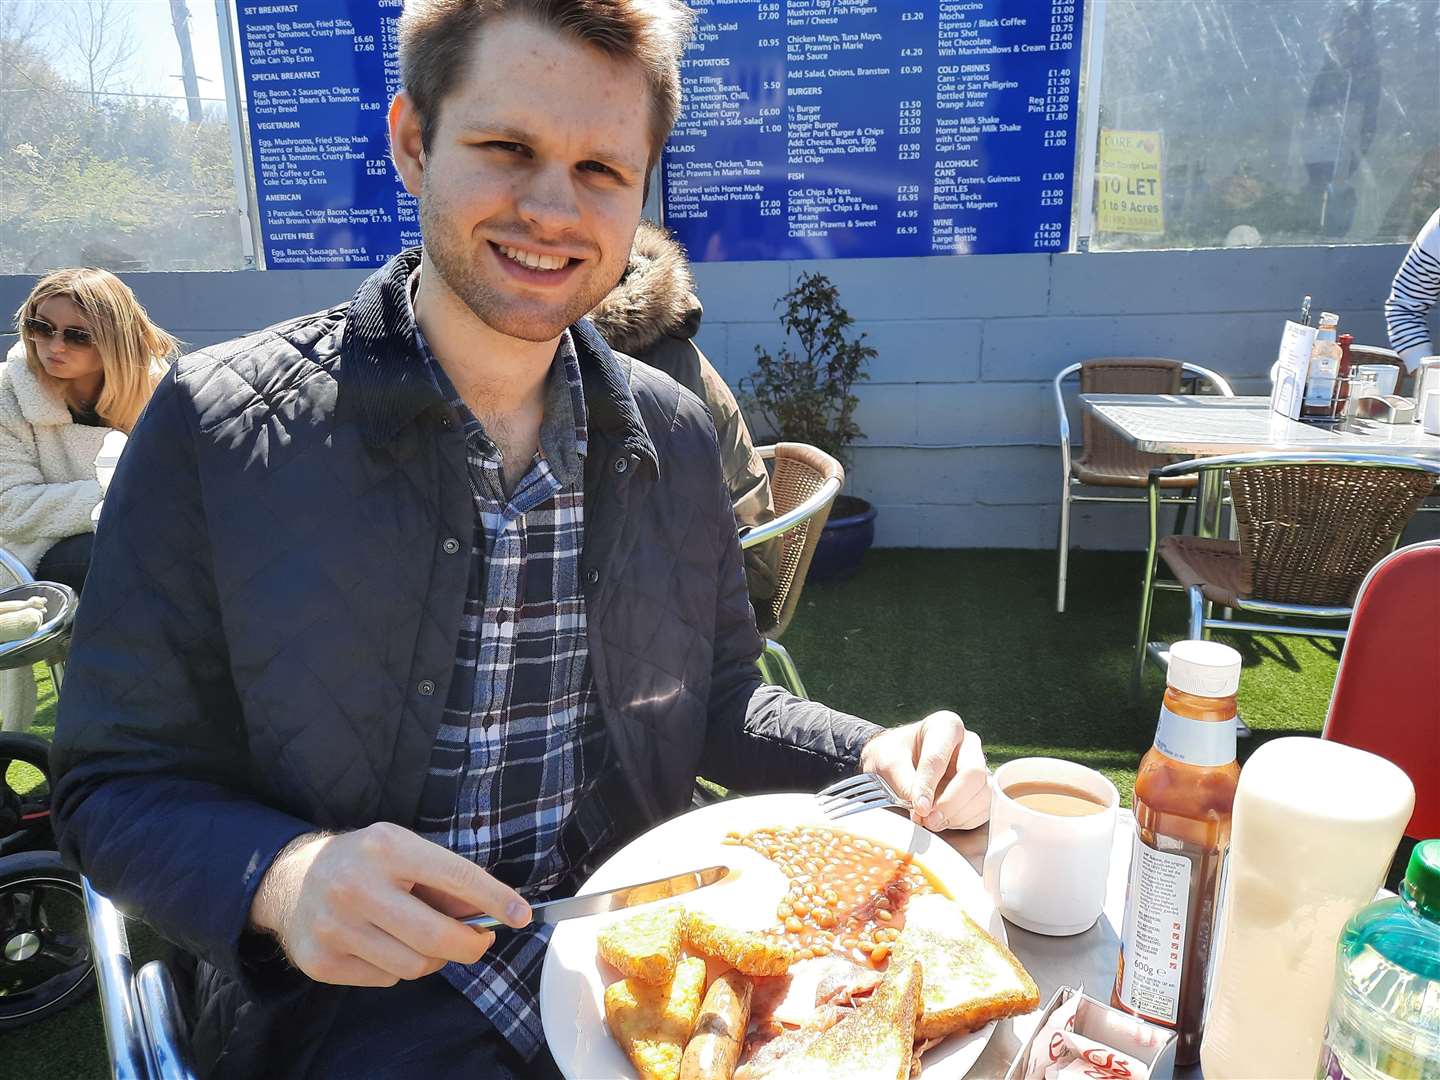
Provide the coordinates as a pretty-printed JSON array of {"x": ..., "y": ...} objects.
[{"x": 87, "y": 361}]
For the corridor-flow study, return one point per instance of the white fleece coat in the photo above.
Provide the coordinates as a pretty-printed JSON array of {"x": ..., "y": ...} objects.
[{"x": 48, "y": 490}]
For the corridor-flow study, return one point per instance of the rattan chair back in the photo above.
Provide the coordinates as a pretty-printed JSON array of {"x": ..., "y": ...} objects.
[
  {"x": 1309, "y": 533},
  {"x": 799, "y": 472},
  {"x": 1105, "y": 449}
]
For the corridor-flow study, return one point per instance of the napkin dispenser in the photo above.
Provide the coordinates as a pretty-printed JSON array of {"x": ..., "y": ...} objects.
[
  {"x": 1147, "y": 1044},
  {"x": 1391, "y": 409}
]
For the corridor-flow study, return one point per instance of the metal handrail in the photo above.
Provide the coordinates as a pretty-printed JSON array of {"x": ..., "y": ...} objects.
[
  {"x": 125, "y": 1038},
  {"x": 164, "y": 1022}
]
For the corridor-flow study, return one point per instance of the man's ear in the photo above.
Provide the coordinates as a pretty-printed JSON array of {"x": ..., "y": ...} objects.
[{"x": 407, "y": 148}]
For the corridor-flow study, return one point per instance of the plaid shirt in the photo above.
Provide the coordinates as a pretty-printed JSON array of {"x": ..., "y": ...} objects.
[{"x": 513, "y": 781}]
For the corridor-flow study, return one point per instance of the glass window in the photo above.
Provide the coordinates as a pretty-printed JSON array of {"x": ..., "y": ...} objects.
[
  {"x": 1241, "y": 122},
  {"x": 115, "y": 142}
]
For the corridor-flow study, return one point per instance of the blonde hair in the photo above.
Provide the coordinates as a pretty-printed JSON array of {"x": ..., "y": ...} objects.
[
  {"x": 134, "y": 352},
  {"x": 437, "y": 38}
]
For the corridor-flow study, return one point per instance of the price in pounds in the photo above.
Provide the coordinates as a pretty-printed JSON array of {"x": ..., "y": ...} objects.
[
  {"x": 912, "y": 69},
  {"x": 364, "y": 42},
  {"x": 768, "y": 12},
  {"x": 769, "y": 207},
  {"x": 769, "y": 43},
  {"x": 907, "y": 193},
  {"x": 907, "y": 230},
  {"x": 909, "y": 151},
  {"x": 912, "y": 16}
]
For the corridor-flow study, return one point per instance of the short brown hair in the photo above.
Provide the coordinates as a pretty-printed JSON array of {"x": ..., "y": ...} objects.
[{"x": 437, "y": 36}]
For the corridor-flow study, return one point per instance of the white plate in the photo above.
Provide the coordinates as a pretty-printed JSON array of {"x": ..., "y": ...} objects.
[{"x": 572, "y": 984}]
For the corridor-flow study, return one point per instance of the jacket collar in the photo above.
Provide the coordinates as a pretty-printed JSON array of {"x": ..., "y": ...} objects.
[
  {"x": 40, "y": 405},
  {"x": 386, "y": 385}
]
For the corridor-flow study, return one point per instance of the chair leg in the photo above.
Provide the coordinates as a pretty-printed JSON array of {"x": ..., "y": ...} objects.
[
  {"x": 1199, "y": 610},
  {"x": 1064, "y": 552},
  {"x": 789, "y": 676},
  {"x": 1142, "y": 637},
  {"x": 57, "y": 673},
  {"x": 1180, "y": 516}
]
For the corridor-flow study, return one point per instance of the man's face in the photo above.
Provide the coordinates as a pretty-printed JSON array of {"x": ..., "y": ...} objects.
[{"x": 533, "y": 184}]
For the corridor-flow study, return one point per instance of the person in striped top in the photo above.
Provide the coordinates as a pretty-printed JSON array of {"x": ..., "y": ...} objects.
[{"x": 1413, "y": 294}]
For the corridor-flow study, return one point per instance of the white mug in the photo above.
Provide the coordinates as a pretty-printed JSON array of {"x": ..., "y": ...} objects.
[{"x": 1047, "y": 872}]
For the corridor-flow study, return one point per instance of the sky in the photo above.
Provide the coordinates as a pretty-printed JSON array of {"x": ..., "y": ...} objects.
[{"x": 156, "y": 62}]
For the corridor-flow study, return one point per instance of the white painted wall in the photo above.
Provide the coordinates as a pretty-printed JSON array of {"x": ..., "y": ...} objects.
[{"x": 967, "y": 348}]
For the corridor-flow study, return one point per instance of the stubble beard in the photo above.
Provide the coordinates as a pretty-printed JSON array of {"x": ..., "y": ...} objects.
[{"x": 450, "y": 251}]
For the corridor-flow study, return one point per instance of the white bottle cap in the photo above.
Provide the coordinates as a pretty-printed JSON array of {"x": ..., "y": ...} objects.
[{"x": 1204, "y": 668}]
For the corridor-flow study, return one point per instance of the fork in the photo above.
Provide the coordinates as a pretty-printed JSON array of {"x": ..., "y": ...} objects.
[{"x": 854, "y": 794}]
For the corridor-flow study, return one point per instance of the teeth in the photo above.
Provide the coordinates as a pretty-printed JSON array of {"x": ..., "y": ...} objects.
[{"x": 532, "y": 259}]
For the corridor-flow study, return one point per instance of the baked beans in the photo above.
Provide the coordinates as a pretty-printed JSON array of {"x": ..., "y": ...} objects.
[{"x": 847, "y": 894}]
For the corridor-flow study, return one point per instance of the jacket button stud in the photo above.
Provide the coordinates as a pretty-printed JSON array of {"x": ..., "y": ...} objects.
[
  {"x": 592, "y": 576},
  {"x": 621, "y": 465},
  {"x": 426, "y": 688},
  {"x": 451, "y": 546}
]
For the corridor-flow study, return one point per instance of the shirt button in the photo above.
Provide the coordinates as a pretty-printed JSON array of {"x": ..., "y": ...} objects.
[
  {"x": 451, "y": 545},
  {"x": 426, "y": 688},
  {"x": 489, "y": 720},
  {"x": 592, "y": 576},
  {"x": 621, "y": 465},
  {"x": 502, "y": 616}
]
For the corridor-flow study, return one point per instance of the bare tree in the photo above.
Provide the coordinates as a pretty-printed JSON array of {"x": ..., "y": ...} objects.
[
  {"x": 27, "y": 80},
  {"x": 180, "y": 19},
  {"x": 100, "y": 31}
]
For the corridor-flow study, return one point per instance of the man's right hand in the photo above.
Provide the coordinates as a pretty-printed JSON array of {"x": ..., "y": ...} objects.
[{"x": 347, "y": 907}]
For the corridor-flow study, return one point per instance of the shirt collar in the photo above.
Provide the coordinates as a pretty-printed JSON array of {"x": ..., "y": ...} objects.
[{"x": 564, "y": 436}]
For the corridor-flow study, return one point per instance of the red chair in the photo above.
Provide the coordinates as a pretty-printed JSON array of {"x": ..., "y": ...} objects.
[{"x": 1387, "y": 694}]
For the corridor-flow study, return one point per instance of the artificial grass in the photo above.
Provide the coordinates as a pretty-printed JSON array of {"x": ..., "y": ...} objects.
[{"x": 975, "y": 631}]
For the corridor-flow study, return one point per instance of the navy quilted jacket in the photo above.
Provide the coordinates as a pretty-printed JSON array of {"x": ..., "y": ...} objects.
[{"x": 271, "y": 618}]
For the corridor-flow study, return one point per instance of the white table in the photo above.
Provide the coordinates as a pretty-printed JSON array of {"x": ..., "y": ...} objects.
[
  {"x": 1196, "y": 425},
  {"x": 1084, "y": 960},
  {"x": 1204, "y": 426}
]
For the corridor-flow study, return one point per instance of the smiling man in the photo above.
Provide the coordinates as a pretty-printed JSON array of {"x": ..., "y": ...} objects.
[{"x": 419, "y": 606}]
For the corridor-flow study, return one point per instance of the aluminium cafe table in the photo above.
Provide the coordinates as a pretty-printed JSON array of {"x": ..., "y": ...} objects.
[
  {"x": 1083, "y": 960},
  {"x": 1196, "y": 425}
]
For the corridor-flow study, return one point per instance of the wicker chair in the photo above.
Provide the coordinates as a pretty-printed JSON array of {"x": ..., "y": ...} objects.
[
  {"x": 1106, "y": 460},
  {"x": 1309, "y": 529},
  {"x": 803, "y": 483}
]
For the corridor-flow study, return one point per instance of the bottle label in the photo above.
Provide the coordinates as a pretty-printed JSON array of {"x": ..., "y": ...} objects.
[
  {"x": 1153, "y": 939},
  {"x": 1195, "y": 742}
]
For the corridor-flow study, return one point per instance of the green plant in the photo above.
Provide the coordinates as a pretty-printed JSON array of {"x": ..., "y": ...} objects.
[{"x": 808, "y": 396}]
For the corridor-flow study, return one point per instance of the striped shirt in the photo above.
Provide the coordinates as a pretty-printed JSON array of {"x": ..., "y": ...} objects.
[
  {"x": 522, "y": 745},
  {"x": 1415, "y": 290}
]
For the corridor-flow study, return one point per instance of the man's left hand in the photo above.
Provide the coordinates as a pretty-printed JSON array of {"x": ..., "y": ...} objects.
[{"x": 938, "y": 766}]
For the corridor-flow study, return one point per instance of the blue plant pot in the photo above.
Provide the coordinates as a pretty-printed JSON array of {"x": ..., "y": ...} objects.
[{"x": 848, "y": 534}]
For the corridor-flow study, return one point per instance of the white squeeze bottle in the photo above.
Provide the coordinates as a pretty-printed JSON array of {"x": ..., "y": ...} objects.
[{"x": 1314, "y": 829}]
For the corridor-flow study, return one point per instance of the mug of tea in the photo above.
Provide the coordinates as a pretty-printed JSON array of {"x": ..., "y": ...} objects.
[{"x": 1052, "y": 825}]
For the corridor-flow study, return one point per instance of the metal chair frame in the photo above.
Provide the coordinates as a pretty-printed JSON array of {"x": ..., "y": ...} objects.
[
  {"x": 1201, "y": 621},
  {"x": 776, "y": 664},
  {"x": 1069, "y": 483}
]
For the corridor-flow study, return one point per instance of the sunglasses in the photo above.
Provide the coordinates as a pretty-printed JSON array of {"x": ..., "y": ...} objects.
[{"x": 73, "y": 335}]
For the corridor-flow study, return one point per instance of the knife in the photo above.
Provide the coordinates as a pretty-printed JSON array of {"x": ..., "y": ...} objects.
[{"x": 574, "y": 907}]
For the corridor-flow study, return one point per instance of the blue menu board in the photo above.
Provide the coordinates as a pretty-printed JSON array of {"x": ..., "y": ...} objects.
[
  {"x": 319, "y": 75},
  {"x": 811, "y": 129},
  {"x": 845, "y": 128}
]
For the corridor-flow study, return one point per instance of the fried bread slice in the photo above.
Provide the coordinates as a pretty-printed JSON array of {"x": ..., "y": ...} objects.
[
  {"x": 970, "y": 978},
  {"x": 652, "y": 1022},
  {"x": 875, "y": 1042},
  {"x": 751, "y": 954},
  {"x": 646, "y": 946}
]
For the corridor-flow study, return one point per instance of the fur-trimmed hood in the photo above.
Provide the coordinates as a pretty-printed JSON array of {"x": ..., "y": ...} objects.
[{"x": 655, "y": 299}]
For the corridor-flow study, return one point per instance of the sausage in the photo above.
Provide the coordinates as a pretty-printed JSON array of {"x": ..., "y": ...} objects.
[{"x": 714, "y": 1048}]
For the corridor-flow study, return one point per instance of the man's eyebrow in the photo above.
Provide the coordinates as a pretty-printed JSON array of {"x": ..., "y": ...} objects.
[{"x": 510, "y": 133}]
